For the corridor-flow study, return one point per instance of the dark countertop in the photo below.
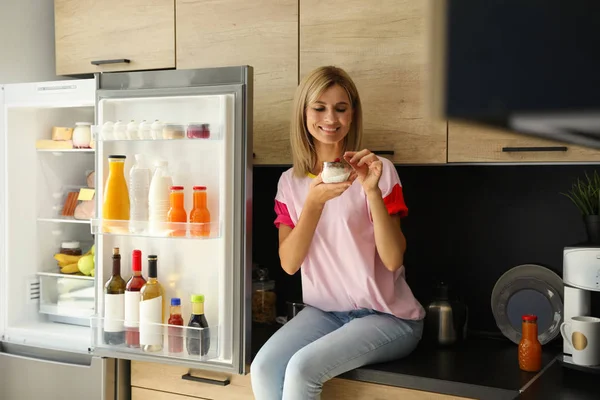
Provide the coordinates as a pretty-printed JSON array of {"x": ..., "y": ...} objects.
[
  {"x": 477, "y": 368},
  {"x": 560, "y": 383}
]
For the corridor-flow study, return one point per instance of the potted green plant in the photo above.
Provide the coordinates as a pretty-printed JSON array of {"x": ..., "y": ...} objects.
[{"x": 585, "y": 194}]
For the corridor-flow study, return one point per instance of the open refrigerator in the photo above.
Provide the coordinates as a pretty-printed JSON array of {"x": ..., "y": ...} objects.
[{"x": 48, "y": 318}]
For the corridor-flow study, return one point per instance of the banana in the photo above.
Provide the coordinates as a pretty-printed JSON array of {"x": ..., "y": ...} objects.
[
  {"x": 69, "y": 269},
  {"x": 65, "y": 259}
]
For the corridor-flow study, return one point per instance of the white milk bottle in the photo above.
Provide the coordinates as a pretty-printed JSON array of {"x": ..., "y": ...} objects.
[
  {"x": 139, "y": 189},
  {"x": 158, "y": 197}
]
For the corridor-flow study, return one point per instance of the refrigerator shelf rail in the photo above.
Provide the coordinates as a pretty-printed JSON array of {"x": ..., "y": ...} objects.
[
  {"x": 179, "y": 343},
  {"x": 173, "y": 230}
]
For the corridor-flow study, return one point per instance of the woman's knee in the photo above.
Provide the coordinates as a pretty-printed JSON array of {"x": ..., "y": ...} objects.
[{"x": 302, "y": 369}]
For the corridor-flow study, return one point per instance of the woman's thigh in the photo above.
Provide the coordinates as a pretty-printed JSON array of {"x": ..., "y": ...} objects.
[
  {"x": 306, "y": 327},
  {"x": 367, "y": 340}
]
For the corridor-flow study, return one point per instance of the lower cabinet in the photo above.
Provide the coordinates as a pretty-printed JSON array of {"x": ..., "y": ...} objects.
[{"x": 152, "y": 381}]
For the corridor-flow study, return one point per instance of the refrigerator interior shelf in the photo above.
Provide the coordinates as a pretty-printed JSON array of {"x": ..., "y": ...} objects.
[
  {"x": 178, "y": 342},
  {"x": 175, "y": 230},
  {"x": 60, "y": 152},
  {"x": 66, "y": 276},
  {"x": 72, "y": 297},
  {"x": 65, "y": 220}
]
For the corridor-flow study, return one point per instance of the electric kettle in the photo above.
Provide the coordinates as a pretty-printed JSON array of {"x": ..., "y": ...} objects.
[{"x": 446, "y": 319}]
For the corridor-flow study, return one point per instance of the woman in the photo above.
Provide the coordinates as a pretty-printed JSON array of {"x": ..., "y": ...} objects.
[{"x": 346, "y": 240}]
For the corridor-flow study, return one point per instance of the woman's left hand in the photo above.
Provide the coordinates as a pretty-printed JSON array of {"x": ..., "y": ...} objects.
[{"x": 367, "y": 167}]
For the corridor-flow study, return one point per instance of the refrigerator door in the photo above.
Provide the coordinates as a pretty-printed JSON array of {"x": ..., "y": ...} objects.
[
  {"x": 34, "y": 373},
  {"x": 31, "y": 181},
  {"x": 218, "y": 265}
]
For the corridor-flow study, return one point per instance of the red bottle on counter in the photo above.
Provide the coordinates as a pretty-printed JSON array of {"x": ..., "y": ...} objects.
[
  {"x": 530, "y": 349},
  {"x": 132, "y": 301},
  {"x": 175, "y": 334}
]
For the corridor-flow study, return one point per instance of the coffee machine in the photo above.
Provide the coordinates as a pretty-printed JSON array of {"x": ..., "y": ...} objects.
[{"x": 581, "y": 277}]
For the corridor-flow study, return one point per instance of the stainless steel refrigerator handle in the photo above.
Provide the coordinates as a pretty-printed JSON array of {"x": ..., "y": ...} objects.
[
  {"x": 217, "y": 382},
  {"x": 115, "y": 61}
]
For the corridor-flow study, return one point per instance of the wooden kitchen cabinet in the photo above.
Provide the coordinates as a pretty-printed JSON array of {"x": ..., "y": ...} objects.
[
  {"x": 87, "y": 31},
  {"x": 382, "y": 46},
  {"x": 151, "y": 381},
  {"x": 168, "y": 378},
  {"x": 342, "y": 389},
  {"x": 468, "y": 142},
  {"x": 260, "y": 33}
]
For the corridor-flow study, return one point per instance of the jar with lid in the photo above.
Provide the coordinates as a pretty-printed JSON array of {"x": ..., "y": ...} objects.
[
  {"x": 198, "y": 131},
  {"x": 82, "y": 135},
  {"x": 70, "y": 248},
  {"x": 263, "y": 298},
  {"x": 173, "y": 131}
]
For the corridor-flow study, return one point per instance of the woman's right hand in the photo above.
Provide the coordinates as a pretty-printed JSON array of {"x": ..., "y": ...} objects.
[{"x": 319, "y": 192}]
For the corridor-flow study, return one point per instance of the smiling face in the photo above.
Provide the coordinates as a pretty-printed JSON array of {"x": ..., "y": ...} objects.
[{"x": 329, "y": 118}]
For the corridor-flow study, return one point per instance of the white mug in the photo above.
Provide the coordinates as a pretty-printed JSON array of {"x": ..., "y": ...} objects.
[{"x": 583, "y": 334}]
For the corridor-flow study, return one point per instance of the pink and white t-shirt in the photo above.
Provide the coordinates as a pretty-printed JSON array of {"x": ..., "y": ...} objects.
[{"x": 342, "y": 270}]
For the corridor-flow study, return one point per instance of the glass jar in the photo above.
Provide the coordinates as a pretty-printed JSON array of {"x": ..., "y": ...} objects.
[
  {"x": 70, "y": 248},
  {"x": 198, "y": 131},
  {"x": 131, "y": 131},
  {"x": 263, "y": 298},
  {"x": 144, "y": 130},
  {"x": 82, "y": 135},
  {"x": 156, "y": 129},
  {"x": 335, "y": 172},
  {"x": 173, "y": 131}
]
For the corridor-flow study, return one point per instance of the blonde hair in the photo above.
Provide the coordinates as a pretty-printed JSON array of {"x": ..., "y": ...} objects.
[{"x": 310, "y": 89}]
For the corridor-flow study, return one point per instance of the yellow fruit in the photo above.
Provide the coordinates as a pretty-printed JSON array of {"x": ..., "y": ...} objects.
[
  {"x": 93, "y": 272},
  {"x": 65, "y": 259},
  {"x": 86, "y": 264},
  {"x": 69, "y": 269}
]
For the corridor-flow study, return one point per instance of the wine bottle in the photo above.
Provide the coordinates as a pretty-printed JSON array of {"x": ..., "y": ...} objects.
[
  {"x": 132, "y": 301},
  {"x": 114, "y": 304},
  {"x": 152, "y": 309}
]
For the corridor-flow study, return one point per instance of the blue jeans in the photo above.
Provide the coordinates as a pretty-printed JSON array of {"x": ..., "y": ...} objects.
[{"x": 316, "y": 346}]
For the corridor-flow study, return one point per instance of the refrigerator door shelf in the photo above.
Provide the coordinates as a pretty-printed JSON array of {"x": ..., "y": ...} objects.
[
  {"x": 180, "y": 344},
  {"x": 174, "y": 230},
  {"x": 188, "y": 132}
]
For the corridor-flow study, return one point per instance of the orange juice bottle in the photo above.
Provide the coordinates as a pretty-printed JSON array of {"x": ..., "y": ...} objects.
[
  {"x": 116, "y": 195},
  {"x": 200, "y": 213},
  {"x": 177, "y": 211}
]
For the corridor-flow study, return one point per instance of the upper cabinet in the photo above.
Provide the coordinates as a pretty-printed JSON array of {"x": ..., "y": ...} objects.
[
  {"x": 260, "y": 33},
  {"x": 114, "y": 35},
  {"x": 475, "y": 143},
  {"x": 382, "y": 46}
]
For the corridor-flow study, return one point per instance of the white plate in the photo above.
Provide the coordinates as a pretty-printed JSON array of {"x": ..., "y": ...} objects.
[{"x": 528, "y": 289}]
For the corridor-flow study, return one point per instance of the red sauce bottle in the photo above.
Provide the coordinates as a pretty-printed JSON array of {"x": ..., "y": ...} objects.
[
  {"x": 530, "y": 349},
  {"x": 175, "y": 334}
]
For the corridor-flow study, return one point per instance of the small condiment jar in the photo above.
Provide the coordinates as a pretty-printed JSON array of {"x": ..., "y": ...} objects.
[
  {"x": 335, "y": 172},
  {"x": 530, "y": 349},
  {"x": 173, "y": 131},
  {"x": 198, "y": 131},
  {"x": 70, "y": 248},
  {"x": 82, "y": 135}
]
